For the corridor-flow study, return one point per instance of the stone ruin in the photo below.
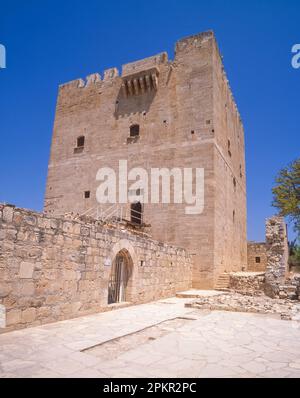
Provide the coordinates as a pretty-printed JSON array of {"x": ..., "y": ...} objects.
[
  {"x": 269, "y": 292},
  {"x": 278, "y": 282},
  {"x": 275, "y": 281}
]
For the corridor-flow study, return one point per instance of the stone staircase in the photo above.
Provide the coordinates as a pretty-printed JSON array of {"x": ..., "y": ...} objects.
[{"x": 223, "y": 282}]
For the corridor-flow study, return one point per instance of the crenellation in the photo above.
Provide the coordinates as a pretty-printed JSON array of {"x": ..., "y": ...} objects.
[
  {"x": 93, "y": 78},
  {"x": 110, "y": 74}
]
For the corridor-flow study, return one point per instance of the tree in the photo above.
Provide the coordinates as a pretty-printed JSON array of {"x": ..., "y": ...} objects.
[
  {"x": 286, "y": 194},
  {"x": 294, "y": 259}
]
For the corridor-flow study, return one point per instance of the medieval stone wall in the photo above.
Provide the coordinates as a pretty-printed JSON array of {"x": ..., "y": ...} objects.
[
  {"x": 257, "y": 256},
  {"x": 58, "y": 268}
]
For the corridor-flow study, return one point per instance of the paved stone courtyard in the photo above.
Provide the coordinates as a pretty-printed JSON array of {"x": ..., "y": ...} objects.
[{"x": 159, "y": 339}]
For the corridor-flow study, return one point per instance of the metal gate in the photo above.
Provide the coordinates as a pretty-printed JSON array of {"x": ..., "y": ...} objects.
[{"x": 118, "y": 280}]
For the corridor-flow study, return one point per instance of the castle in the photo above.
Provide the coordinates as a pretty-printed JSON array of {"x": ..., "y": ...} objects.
[
  {"x": 163, "y": 114},
  {"x": 80, "y": 257}
]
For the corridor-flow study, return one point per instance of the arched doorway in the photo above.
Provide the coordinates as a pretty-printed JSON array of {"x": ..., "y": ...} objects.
[{"x": 119, "y": 278}]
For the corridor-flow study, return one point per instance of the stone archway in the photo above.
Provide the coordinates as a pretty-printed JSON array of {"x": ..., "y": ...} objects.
[
  {"x": 121, "y": 276},
  {"x": 121, "y": 281},
  {"x": 122, "y": 245}
]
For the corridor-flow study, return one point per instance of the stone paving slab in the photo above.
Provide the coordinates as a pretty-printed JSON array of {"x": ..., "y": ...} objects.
[
  {"x": 195, "y": 293},
  {"x": 208, "y": 344}
]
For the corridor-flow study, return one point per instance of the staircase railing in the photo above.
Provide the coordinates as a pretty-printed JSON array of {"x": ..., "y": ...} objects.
[{"x": 115, "y": 213}]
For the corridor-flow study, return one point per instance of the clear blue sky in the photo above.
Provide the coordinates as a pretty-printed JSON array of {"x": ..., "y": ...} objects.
[{"x": 51, "y": 42}]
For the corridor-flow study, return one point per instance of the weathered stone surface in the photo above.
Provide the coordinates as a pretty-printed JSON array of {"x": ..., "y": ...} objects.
[
  {"x": 249, "y": 283},
  {"x": 13, "y": 317},
  {"x": 262, "y": 304},
  {"x": 26, "y": 270},
  {"x": 160, "y": 339},
  {"x": 8, "y": 212},
  {"x": 277, "y": 255},
  {"x": 28, "y": 315},
  {"x": 44, "y": 280}
]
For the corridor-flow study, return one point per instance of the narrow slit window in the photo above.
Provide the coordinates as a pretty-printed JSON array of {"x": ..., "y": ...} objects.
[{"x": 229, "y": 147}]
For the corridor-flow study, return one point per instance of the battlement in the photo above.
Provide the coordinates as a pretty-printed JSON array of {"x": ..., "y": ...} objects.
[
  {"x": 141, "y": 76},
  {"x": 140, "y": 66},
  {"x": 132, "y": 68},
  {"x": 94, "y": 78}
]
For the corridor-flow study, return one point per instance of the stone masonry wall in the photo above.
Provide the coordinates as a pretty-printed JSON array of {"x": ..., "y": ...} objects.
[
  {"x": 248, "y": 283},
  {"x": 58, "y": 268},
  {"x": 277, "y": 255},
  {"x": 257, "y": 257}
]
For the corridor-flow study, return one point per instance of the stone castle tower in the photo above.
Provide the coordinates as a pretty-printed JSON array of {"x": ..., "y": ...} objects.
[{"x": 159, "y": 114}]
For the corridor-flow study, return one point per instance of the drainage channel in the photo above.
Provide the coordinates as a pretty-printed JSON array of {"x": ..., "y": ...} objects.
[{"x": 111, "y": 349}]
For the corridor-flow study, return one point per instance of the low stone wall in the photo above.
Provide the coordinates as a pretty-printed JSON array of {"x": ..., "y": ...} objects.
[
  {"x": 247, "y": 283},
  {"x": 291, "y": 288},
  {"x": 53, "y": 269},
  {"x": 257, "y": 257},
  {"x": 285, "y": 309}
]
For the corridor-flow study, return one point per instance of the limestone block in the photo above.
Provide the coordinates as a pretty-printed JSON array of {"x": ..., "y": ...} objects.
[
  {"x": 85, "y": 231},
  {"x": 13, "y": 317},
  {"x": 28, "y": 315},
  {"x": 44, "y": 312},
  {"x": 44, "y": 222},
  {"x": 26, "y": 270},
  {"x": 30, "y": 219},
  {"x": 17, "y": 218},
  {"x": 27, "y": 288},
  {"x": 5, "y": 289},
  {"x": 8, "y": 213},
  {"x": 67, "y": 227}
]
